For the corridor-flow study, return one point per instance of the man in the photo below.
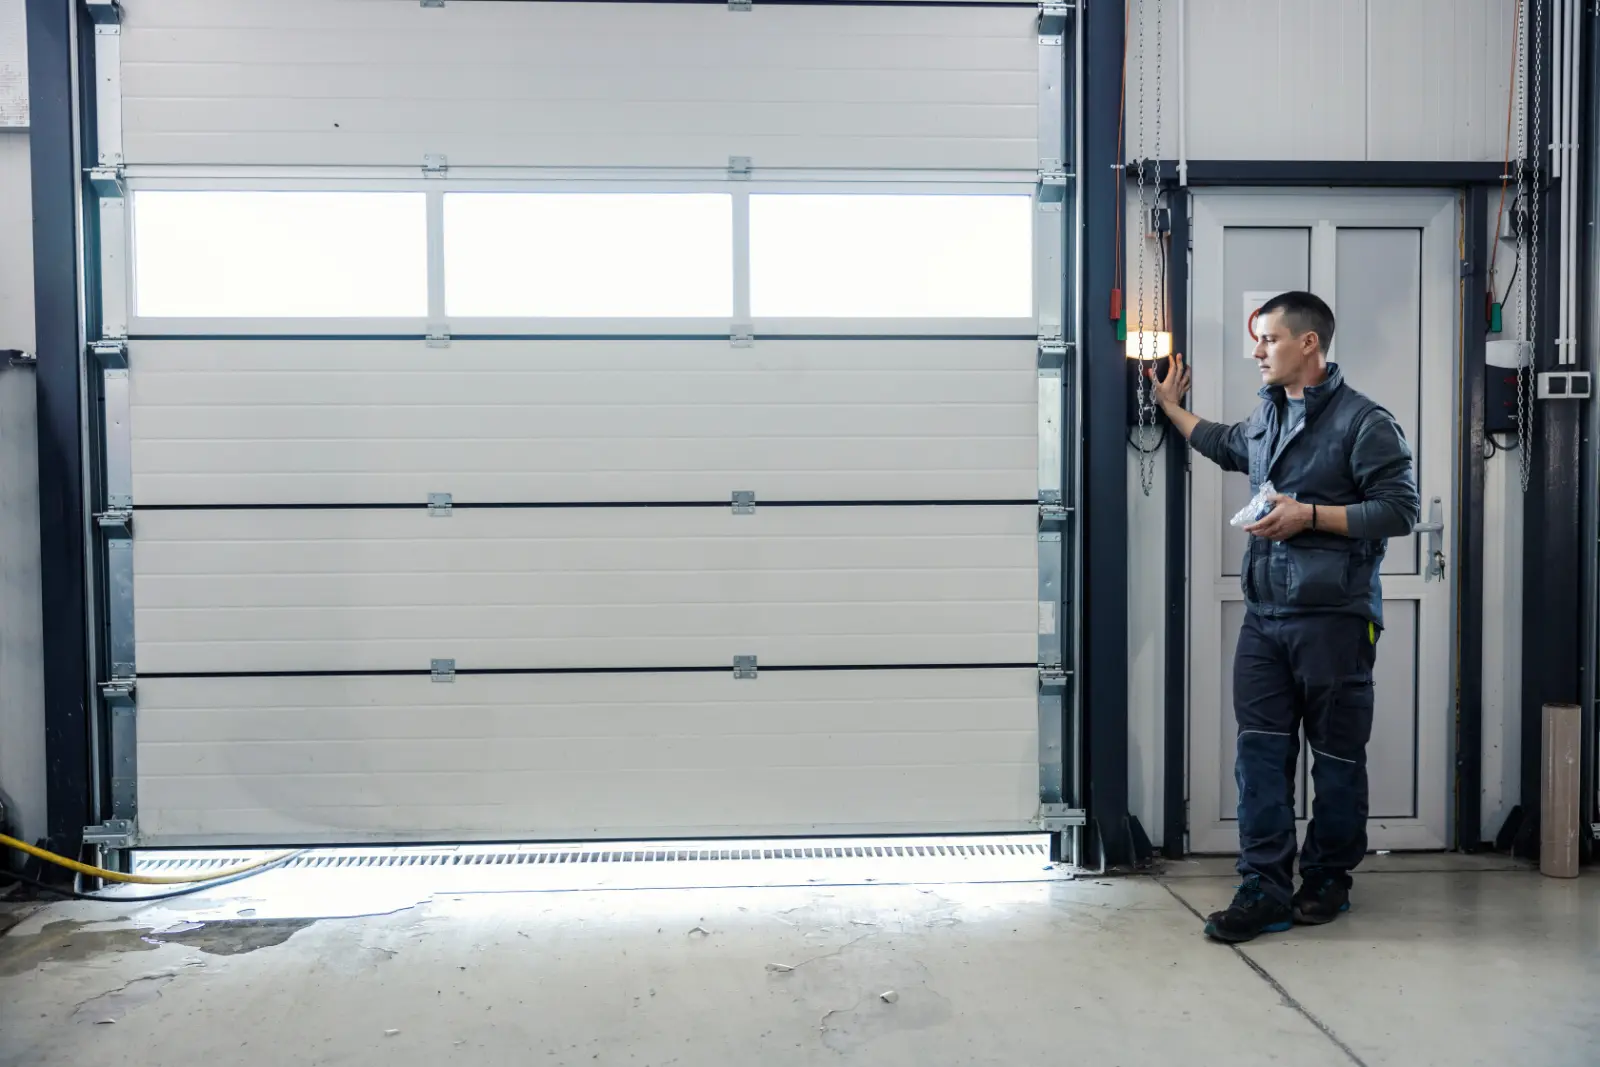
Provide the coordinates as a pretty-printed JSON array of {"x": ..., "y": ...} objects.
[{"x": 1314, "y": 610}]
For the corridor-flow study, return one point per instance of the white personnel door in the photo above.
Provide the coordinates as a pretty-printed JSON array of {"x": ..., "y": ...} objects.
[{"x": 1385, "y": 262}]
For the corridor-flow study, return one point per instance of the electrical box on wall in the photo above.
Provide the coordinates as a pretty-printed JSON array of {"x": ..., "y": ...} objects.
[
  {"x": 1503, "y": 358},
  {"x": 1564, "y": 385}
]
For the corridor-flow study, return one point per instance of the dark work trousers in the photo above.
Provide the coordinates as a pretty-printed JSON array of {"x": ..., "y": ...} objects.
[{"x": 1315, "y": 671}]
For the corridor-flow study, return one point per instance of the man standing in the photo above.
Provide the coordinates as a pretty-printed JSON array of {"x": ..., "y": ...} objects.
[{"x": 1314, "y": 610}]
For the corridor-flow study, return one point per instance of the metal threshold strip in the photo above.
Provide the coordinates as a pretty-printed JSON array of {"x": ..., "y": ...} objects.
[
  {"x": 349, "y": 881},
  {"x": 199, "y": 863}
]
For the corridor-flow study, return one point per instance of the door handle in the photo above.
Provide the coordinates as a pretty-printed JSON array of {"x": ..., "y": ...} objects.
[{"x": 1434, "y": 528}]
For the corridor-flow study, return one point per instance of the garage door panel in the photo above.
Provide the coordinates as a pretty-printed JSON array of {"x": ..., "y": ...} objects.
[
  {"x": 265, "y": 422},
  {"x": 523, "y": 755},
  {"x": 708, "y": 592},
  {"x": 231, "y": 81},
  {"x": 155, "y": 83},
  {"x": 577, "y": 119},
  {"x": 315, "y": 759},
  {"x": 218, "y": 593}
]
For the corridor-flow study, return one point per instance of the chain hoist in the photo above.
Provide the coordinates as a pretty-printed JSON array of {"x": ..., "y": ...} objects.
[
  {"x": 1530, "y": 247},
  {"x": 1146, "y": 441}
]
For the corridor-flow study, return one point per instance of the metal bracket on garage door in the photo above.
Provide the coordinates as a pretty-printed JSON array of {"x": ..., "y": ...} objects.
[
  {"x": 745, "y": 668},
  {"x": 1057, "y": 818},
  {"x": 442, "y": 670},
  {"x": 114, "y": 524},
  {"x": 441, "y": 505},
  {"x": 1055, "y": 218},
  {"x": 744, "y": 502}
]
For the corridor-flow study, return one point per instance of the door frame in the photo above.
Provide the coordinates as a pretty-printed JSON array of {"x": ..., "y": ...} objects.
[{"x": 1436, "y": 213}]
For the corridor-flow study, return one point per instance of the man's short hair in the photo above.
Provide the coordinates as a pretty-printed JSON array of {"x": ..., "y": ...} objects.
[{"x": 1304, "y": 313}]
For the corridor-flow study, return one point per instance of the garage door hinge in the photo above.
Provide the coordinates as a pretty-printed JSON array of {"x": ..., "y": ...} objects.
[
  {"x": 435, "y": 165},
  {"x": 119, "y": 690},
  {"x": 744, "y": 667},
  {"x": 1053, "y": 511},
  {"x": 1052, "y": 350},
  {"x": 442, "y": 670},
  {"x": 438, "y": 335},
  {"x": 1052, "y": 677},
  {"x": 107, "y": 182},
  {"x": 740, "y": 5},
  {"x": 432, "y": 3},
  {"x": 1054, "y": 818},
  {"x": 742, "y": 336},
  {"x": 115, "y": 519},
  {"x": 111, "y": 355},
  {"x": 738, "y": 166},
  {"x": 744, "y": 502},
  {"x": 113, "y": 833},
  {"x": 441, "y": 505}
]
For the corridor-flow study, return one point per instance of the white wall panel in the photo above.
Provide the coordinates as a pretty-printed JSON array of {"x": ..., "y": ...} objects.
[
  {"x": 13, "y": 65},
  {"x": 22, "y": 756},
  {"x": 1277, "y": 79},
  {"x": 653, "y": 85},
  {"x": 1445, "y": 99},
  {"x": 308, "y": 760},
  {"x": 591, "y": 587},
  {"x": 1324, "y": 79},
  {"x": 258, "y": 422}
]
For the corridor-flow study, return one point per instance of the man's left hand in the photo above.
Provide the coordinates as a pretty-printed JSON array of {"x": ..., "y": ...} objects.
[{"x": 1287, "y": 518}]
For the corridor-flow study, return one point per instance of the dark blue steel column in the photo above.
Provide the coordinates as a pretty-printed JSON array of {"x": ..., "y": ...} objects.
[
  {"x": 53, "y": 72},
  {"x": 1105, "y": 491}
]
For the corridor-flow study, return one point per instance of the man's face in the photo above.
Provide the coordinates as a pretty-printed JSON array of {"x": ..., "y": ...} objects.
[{"x": 1283, "y": 357}]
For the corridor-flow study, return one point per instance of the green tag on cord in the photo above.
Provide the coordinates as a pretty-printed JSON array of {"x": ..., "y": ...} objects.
[
  {"x": 1122, "y": 326},
  {"x": 1496, "y": 321}
]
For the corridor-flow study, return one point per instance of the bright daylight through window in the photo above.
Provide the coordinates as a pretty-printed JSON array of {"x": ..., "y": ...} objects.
[
  {"x": 589, "y": 255},
  {"x": 891, "y": 256},
  {"x": 256, "y": 254}
]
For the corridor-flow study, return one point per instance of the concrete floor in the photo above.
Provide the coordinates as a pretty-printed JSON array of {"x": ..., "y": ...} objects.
[{"x": 1443, "y": 961}]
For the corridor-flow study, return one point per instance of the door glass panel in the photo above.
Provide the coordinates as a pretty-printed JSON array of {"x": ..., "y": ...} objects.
[
  {"x": 1392, "y": 753},
  {"x": 891, "y": 256},
  {"x": 589, "y": 255},
  {"x": 1255, "y": 260},
  {"x": 254, "y": 254},
  {"x": 1378, "y": 337}
]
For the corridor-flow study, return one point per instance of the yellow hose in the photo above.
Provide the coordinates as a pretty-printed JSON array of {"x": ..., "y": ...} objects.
[{"x": 137, "y": 879}]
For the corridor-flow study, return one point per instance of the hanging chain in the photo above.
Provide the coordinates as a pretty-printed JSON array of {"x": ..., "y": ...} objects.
[
  {"x": 1149, "y": 349},
  {"x": 1519, "y": 223},
  {"x": 1526, "y": 369}
]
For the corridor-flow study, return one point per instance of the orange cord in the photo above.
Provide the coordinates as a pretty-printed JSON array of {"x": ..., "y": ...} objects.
[{"x": 1505, "y": 165}]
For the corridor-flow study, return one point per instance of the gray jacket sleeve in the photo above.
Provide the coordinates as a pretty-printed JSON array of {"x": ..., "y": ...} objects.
[
  {"x": 1223, "y": 445},
  {"x": 1380, "y": 460}
]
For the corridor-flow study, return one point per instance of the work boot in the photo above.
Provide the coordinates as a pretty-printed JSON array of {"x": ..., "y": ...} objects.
[
  {"x": 1320, "y": 899},
  {"x": 1251, "y": 914}
]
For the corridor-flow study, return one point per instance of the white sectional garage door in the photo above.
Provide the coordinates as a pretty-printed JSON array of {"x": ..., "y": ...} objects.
[{"x": 502, "y": 375}]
